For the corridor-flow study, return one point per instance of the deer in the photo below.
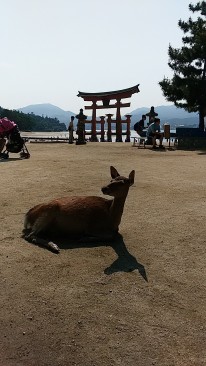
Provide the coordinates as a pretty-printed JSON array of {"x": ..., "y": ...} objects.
[{"x": 85, "y": 217}]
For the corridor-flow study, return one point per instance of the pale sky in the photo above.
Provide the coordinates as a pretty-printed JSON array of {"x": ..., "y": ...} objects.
[{"x": 52, "y": 49}]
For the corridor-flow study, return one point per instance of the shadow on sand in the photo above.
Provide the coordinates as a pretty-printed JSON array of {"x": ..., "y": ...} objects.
[
  {"x": 125, "y": 262},
  {"x": 10, "y": 160}
]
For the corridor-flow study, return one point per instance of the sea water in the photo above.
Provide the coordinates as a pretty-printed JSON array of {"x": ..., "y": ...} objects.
[{"x": 65, "y": 134}]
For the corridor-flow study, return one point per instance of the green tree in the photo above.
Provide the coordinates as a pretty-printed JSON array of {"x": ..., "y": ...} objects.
[
  {"x": 32, "y": 122},
  {"x": 187, "y": 88}
]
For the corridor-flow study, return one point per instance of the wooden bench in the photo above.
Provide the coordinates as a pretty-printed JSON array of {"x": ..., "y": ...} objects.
[{"x": 139, "y": 142}]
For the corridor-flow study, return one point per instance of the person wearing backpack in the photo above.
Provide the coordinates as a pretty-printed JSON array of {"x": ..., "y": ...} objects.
[{"x": 139, "y": 126}]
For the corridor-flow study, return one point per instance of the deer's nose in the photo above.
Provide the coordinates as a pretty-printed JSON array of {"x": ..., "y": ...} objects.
[{"x": 105, "y": 190}]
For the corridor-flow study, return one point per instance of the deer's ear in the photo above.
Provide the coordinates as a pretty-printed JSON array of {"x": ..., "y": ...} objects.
[
  {"x": 114, "y": 172},
  {"x": 131, "y": 177}
]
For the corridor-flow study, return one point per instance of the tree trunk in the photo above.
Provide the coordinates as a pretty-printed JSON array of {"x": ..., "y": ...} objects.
[{"x": 201, "y": 120}]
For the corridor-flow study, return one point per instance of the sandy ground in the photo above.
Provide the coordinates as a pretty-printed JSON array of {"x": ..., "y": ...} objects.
[{"x": 96, "y": 305}]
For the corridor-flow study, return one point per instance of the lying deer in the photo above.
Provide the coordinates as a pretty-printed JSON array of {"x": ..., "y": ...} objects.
[{"x": 83, "y": 217}]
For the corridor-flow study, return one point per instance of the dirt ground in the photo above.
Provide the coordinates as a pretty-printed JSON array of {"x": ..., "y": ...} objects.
[{"x": 139, "y": 301}]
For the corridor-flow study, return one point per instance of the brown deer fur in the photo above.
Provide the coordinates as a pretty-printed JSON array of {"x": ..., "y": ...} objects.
[{"x": 83, "y": 217}]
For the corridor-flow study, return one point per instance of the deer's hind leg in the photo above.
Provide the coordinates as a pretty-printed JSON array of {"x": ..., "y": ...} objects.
[{"x": 41, "y": 225}]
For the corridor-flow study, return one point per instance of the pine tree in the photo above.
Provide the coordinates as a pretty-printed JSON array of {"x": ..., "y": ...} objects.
[{"x": 187, "y": 88}]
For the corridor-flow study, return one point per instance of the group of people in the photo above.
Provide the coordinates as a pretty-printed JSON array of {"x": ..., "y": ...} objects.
[
  {"x": 153, "y": 132},
  {"x": 9, "y": 129}
]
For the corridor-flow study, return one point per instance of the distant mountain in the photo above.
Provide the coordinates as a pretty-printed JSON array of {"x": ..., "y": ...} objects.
[
  {"x": 48, "y": 110},
  {"x": 168, "y": 113}
]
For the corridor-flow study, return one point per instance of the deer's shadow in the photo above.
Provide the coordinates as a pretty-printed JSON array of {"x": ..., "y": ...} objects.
[
  {"x": 9, "y": 160},
  {"x": 125, "y": 261}
]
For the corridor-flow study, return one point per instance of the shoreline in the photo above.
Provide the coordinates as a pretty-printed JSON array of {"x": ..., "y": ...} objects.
[{"x": 63, "y": 137}]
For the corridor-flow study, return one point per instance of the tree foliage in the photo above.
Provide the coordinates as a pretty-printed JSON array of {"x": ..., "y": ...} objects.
[
  {"x": 187, "y": 88},
  {"x": 32, "y": 122}
]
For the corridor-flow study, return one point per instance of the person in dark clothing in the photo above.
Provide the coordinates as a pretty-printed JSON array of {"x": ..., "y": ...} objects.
[{"x": 139, "y": 126}]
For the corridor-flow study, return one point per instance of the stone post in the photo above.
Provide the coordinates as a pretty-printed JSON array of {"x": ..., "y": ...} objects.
[
  {"x": 118, "y": 121},
  {"x": 102, "y": 128},
  {"x": 151, "y": 114},
  {"x": 94, "y": 123},
  {"x": 109, "y": 127},
  {"x": 128, "y": 121}
]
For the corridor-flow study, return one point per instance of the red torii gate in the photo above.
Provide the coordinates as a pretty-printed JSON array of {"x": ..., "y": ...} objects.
[{"x": 105, "y": 98}]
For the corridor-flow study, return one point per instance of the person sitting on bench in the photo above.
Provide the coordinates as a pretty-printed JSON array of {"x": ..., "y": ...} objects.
[
  {"x": 139, "y": 126},
  {"x": 154, "y": 133}
]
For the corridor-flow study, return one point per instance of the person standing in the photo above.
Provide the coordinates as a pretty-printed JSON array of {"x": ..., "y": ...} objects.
[{"x": 71, "y": 130}]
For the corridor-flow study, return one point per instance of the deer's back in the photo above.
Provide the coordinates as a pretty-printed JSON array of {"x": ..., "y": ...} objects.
[{"x": 73, "y": 214}]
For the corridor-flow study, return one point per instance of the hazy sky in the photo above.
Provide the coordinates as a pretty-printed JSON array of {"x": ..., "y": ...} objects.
[{"x": 52, "y": 49}]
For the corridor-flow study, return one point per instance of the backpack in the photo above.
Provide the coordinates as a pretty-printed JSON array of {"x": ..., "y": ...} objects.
[{"x": 137, "y": 127}]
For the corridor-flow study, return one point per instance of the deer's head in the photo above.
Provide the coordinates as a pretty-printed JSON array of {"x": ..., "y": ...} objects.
[{"x": 119, "y": 185}]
